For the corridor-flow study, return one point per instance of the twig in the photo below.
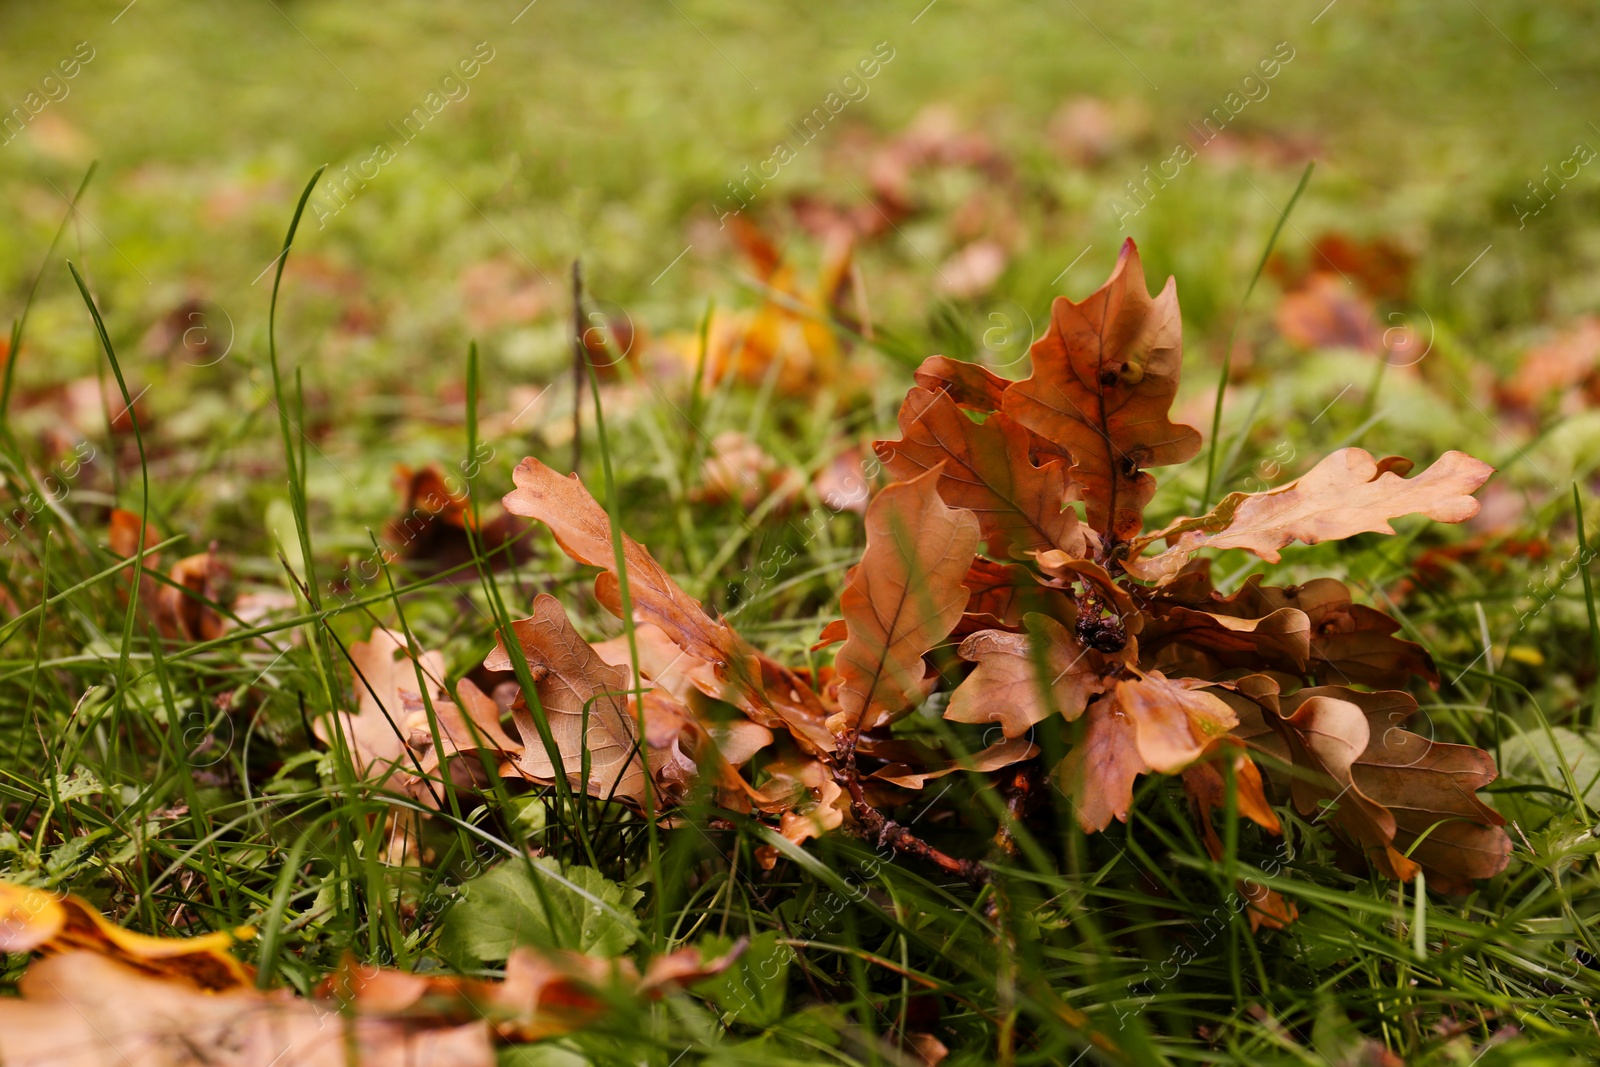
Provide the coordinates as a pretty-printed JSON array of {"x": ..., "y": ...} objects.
[{"x": 886, "y": 831}]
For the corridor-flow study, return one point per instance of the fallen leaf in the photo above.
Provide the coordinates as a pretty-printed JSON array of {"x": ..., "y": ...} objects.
[
  {"x": 997, "y": 756},
  {"x": 374, "y": 734},
  {"x": 1393, "y": 791},
  {"x": 35, "y": 920},
  {"x": 1023, "y": 678},
  {"x": 986, "y": 468},
  {"x": 903, "y": 598},
  {"x": 971, "y": 386},
  {"x": 1327, "y": 313},
  {"x": 434, "y": 526},
  {"x": 1345, "y": 494},
  {"x": 583, "y": 530},
  {"x": 85, "y": 1010},
  {"x": 1351, "y": 644},
  {"x": 584, "y": 700},
  {"x": 1104, "y": 378},
  {"x": 1144, "y": 724}
]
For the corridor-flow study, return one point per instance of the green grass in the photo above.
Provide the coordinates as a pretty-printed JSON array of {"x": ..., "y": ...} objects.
[{"x": 178, "y": 785}]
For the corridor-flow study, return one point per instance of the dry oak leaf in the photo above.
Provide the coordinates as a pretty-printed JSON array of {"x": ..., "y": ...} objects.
[
  {"x": 1104, "y": 378},
  {"x": 583, "y": 530},
  {"x": 802, "y": 792},
  {"x": 1208, "y": 792},
  {"x": 584, "y": 701},
  {"x": 986, "y": 468},
  {"x": 34, "y": 920},
  {"x": 1351, "y": 644},
  {"x": 783, "y": 701},
  {"x": 1143, "y": 724},
  {"x": 1407, "y": 801},
  {"x": 185, "y": 606},
  {"x": 85, "y": 1010},
  {"x": 970, "y": 385},
  {"x": 1347, "y": 493},
  {"x": 901, "y": 600},
  {"x": 464, "y": 730},
  {"x": 738, "y": 469},
  {"x": 546, "y": 992},
  {"x": 375, "y": 734},
  {"x": 107, "y": 995},
  {"x": 1007, "y": 686},
  {"x": 997, "y": 756},
  {"x": 1278, "y": 640}
]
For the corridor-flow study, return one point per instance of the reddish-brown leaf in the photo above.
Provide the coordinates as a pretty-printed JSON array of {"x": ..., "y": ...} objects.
[
  {"x": 583, "y": 530},
  {"x": 1144, "y": 724},
  {"x": 986, "y": 468},
  {"x": 1347, "y": 493},
  {"x": 1394, "y": 791},
  {"x": 1024, "y": 678},
  {"x": 1104, "y": 378},
  {"x": 585, "y": 702},
  {"x": 903, "y": 598},
  {"x": 968, "y": 384}
]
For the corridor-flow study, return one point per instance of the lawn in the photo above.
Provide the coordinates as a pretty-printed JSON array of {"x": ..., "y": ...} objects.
[{"x": 699, "y": 253}]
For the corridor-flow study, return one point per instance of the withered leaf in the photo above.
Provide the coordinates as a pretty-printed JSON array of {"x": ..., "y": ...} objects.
[
  {"x": 1279, "y": 639},
  {"x": 1022, "y": 678},
  {"x": 106, "y": 995},
  {"x": 996, "y": 756},
  {"x": 583, "y": 530},
  {"x": 968, "y": 384},
  {"x": 1104, "y": 378},
  {"x": 1143, "y": 724},
  {"x": 1351, "y": 644},
  {"x": 903, "y": 598},
  {"x": 85, "y": 1010},
  {"x": 1394, "y": 791},
  {"x": 1347, "y": 493},
  {"x": 986, "y": 468},
  {"x": 384, "y": 675},
  {"x": 35, "y": 920},
  {"x": 585, "y": 702}
]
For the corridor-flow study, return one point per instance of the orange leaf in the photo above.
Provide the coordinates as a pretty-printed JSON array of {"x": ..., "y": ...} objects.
[
  {"x": 1144, "y": 724},
  {"x": 583, "y": 530},
  {"x": 1104, "y": 378},
  {"x": 986, "y": 468},
  {"x": 968, "y": 384},
  {"x": 585, "y": 701},
  {"x": 903, "y": 598},
  {"x": 1347, "y": 493},
  {"x": 996, "y": 756},
  {"x": 1007, "y": 686}
]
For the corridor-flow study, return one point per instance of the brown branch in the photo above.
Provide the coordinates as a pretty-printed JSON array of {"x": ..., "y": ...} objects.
[{"x": 876, "y": 825}]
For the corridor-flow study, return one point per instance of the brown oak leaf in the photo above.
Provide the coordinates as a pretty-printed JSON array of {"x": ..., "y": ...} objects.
[
  {"x": 584, "y": 701},
  {"x": 971, "y": 386},
  {"x": 1104, "y": 378},
  {"x": 1347, "y": 493},
  {"x": 1143, "y": 724},
  {"x": 903, "y": 598},
  {"x": 986, "y": 468},
  {"x": 1007, "y": 685}
]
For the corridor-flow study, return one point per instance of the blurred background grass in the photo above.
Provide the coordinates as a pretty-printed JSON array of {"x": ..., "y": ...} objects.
[{"x": 610, "y": 132}]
